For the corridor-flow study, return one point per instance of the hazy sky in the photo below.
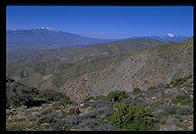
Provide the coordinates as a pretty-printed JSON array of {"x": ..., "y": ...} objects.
[{"x": 104, "y": 21}]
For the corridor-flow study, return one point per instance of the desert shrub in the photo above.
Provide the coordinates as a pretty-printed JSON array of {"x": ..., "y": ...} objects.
[
  {"x": 89, "y": 98},
  {"x": 139, "y": 101},
  {"x": 163, "y": 120},
  {"x": 183, "y": 100},
  {"x": 91, "y": 123},
  {"x": 73, "y": 121},
  {"x": 136, "y": 90},
  {"x": 152, "y": 88},
  {"x": 90, "y": 104},
  {"x": 188, "y": 85},
  {"x": 65, "y": 101},
  {"x": 15, "y": 127},
  {"x": 178, "y": 82},
  {"x": 116, "y": 96},
  {"x": 34, "y": 90},
  {"x": 41, "y": 120},
  {"x": 9, "y": 80},
  {"x": 132, "y": 117},
  {"x": 52, "y": 95},
  {"x": 167, "y": 86},
  {"x": 59, "y": 125},
  {"x": 62, "y": 102},
  {"x": 185, "y": 111},
  {"x": 169, "y": 109}
]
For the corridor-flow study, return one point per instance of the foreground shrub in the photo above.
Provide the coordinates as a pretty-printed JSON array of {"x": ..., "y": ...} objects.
[
  {"x": 183, "y": 100},
  {"x": 116, "y": 96},
  {"x": 136, "y": 90},
  {"x": 132, "y": 117},
  {"x": 185, "y": 111},
  {"x": 62, "y": 102},
  {"x": 15, "y": 127}
]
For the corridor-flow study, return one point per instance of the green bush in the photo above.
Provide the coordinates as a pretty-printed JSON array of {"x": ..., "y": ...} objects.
[
  {"x": 167, "y": 86},
  {"x": 178, "y": 82},
  {"x": 15, "y": 127},
  {"x": 152, "y": 88},
  {"x": 183, "y": 100},
  {"x": 34, "y": 90},
  {"x": 65, "y": 101},
  {"x": 116, "y": 96},
  {"x": 9, "y": 80},
  {"x": 132, "y": 117},
  {"x": 185, "y": 111},
  {"x": 136, "y": 90}
]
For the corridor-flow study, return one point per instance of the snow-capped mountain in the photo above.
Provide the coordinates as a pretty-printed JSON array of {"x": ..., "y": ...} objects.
[
  {"x": 165, "y": 37},
  {"x": 48, "y": 36}
]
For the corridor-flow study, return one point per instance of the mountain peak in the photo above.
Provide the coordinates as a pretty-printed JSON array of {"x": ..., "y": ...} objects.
[
  {"x": 47, "y": 28},
  {"x": 170, "y": 35}
]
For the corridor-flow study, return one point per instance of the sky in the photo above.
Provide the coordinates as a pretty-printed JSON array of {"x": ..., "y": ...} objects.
[{"x": 104, "y": 21}]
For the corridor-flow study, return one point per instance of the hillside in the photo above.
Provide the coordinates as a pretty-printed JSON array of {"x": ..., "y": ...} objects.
[
  {"x": 94, "y": 88},
  {"x": 100, "y": 69},
  {"x": 140, "y": 68},
  {"x": 40, "y": 65}
]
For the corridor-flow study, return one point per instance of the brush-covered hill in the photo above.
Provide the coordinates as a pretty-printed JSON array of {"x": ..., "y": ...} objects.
[
  {"x": 70, "y": 62},
  {"x": 142, "y": 68},
  {"x": 100, "y": 69}
]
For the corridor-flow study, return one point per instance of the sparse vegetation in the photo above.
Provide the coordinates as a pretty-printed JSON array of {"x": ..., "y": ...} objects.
[
  {"x": 52, "y": 95},
  {"x": 89, "y": 98},
  {"x": 183, "y": 99},
  {"x": 185, "y": 111},
  {"x": 136, "y": 90},
  {"x": 15, "y": 127},
  {"x": 166, "y": 86},
  {"x": 117, "y": 96},
  {"x": 62, "y": 102},
  {"x": 152, "y": 88},
  {"x": 178, "y": 82}
]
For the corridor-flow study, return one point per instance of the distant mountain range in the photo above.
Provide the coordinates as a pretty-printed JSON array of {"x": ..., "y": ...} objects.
[
  {"x": 50, "y": 37},
  {"x": 47, "y": 36},
  {"x": 165, "y": 37}
]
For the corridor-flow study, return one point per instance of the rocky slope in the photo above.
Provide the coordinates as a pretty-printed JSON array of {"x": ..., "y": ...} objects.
[
  {"x": 169, "y": 108},
  {"x": 143, "y": 67}
]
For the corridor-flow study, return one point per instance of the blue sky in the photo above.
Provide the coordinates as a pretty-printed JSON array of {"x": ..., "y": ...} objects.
[{"x": 104, "y": 21}]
